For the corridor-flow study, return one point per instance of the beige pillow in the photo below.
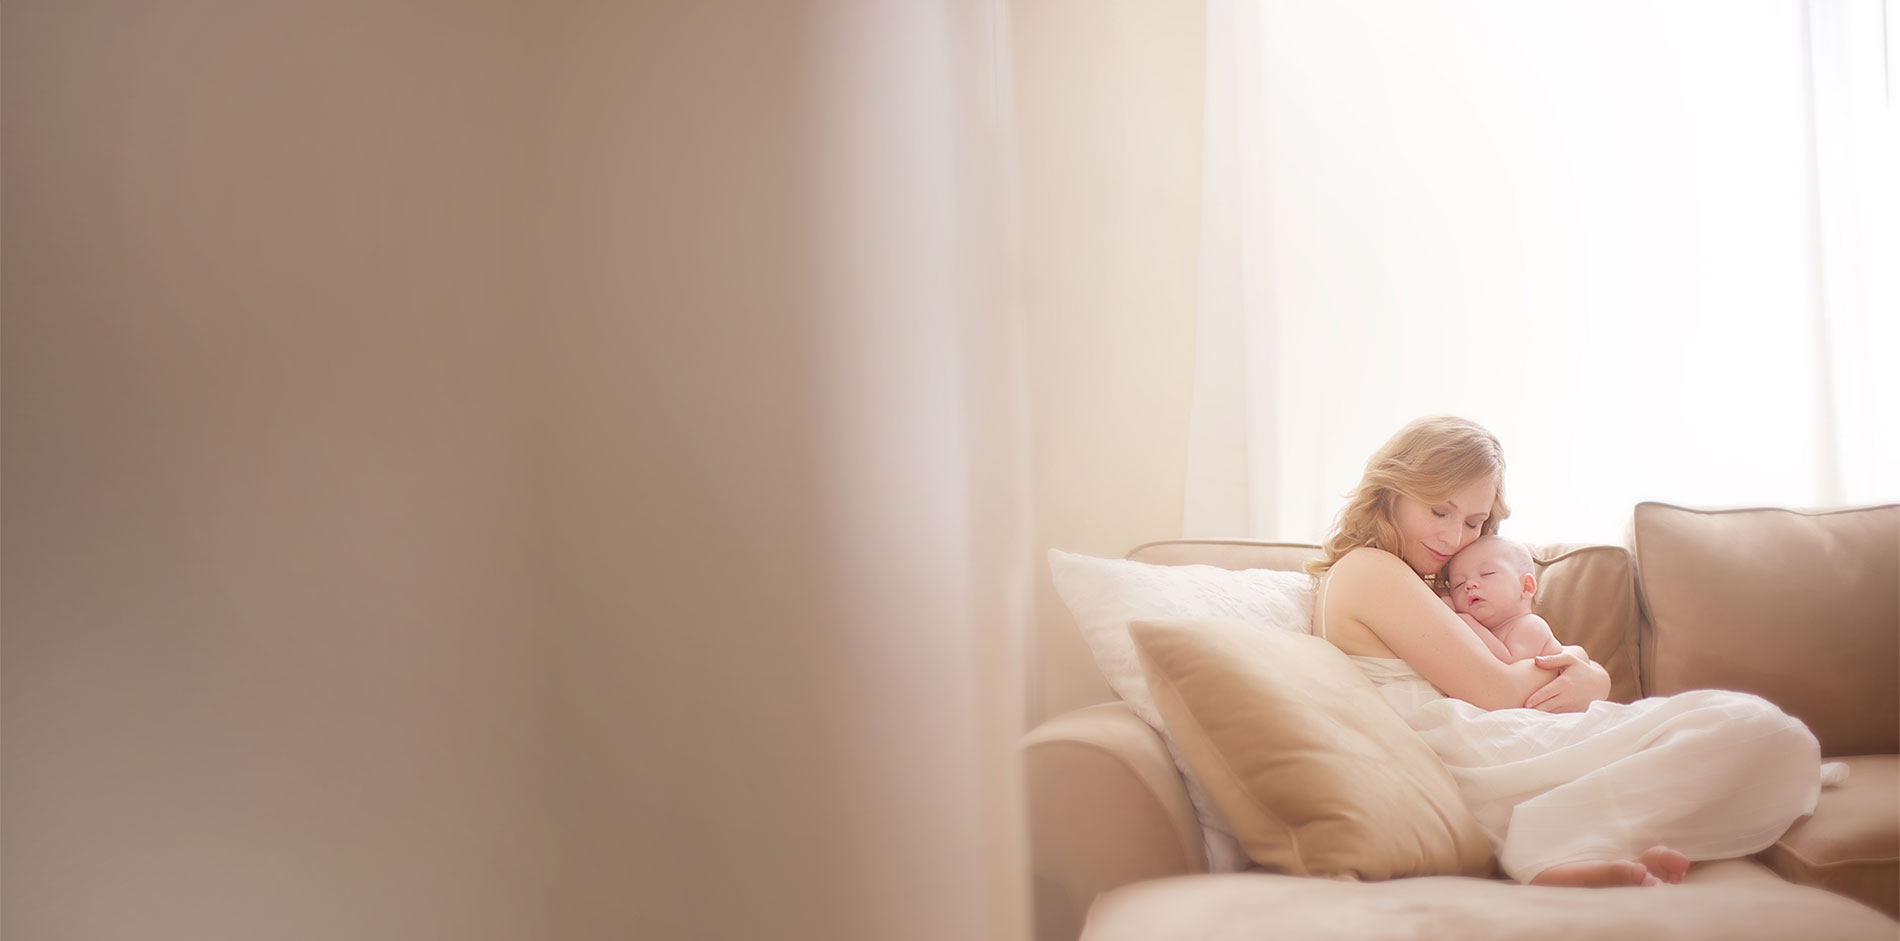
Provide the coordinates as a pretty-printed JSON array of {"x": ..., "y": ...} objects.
[
  {"x": 1801, "y": 607},
  {"x": 1315, "y": 774}
]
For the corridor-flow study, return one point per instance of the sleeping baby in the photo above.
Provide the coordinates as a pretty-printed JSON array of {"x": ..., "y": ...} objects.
[{"x": 1491, "y": 588}]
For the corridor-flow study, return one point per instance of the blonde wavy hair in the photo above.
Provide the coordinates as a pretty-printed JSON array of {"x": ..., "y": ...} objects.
[{"x": 1429, "y": 460}]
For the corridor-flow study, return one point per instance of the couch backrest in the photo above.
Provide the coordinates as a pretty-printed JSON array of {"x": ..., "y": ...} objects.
[
  {"x": 1800, "y": 607},
  {"x": 1586, "y": 592}
]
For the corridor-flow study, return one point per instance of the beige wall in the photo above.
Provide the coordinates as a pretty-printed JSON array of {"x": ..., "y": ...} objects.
[
  {"x": 479, "y": 472},
  {"x": 1108, "y": 99}
]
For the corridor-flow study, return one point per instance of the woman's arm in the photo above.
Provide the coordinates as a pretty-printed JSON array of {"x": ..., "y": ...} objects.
[
  {"x": 1375, "y": 588},
  {"x": 1579, "y": 682}
]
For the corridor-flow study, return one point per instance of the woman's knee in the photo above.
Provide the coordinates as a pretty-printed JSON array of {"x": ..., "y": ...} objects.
[{"x": 1770, "y": 721}]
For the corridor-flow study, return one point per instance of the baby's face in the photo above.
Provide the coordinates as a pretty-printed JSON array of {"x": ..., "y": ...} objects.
[{"x": 1485, "y": 586}]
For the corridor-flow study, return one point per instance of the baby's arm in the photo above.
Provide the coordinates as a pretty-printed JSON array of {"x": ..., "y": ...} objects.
[
  {"x": 1491, "y": 641},
  {"x": 1526, "y": 635}
]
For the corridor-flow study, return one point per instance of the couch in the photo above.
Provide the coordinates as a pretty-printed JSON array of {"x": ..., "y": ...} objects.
[{"x": 1800, "y": 607}]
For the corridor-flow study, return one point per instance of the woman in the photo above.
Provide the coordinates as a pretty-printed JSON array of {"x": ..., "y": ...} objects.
[{"x": 1572, "y": 790}]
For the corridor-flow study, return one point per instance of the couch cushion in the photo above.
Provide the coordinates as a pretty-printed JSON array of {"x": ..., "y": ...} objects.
[
  {"x": 1228, "y": 553},
  {"x": 1852, "y": 843},
  {"x": 1733, "y": 900},
  {"x": 1802, "y": 608},
  {"x": 1586, "y": 592},
  {"x": 1313, "y": 772}
]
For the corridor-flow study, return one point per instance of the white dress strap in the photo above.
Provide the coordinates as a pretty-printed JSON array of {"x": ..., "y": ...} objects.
[{"x": 1319, "y": 607}]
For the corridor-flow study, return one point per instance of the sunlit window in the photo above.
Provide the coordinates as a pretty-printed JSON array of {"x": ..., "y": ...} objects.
[{"x": 1652, "y": 246}]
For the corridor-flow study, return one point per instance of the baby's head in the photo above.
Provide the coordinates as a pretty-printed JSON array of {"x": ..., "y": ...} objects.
[{"x": 1491, "y": 579}]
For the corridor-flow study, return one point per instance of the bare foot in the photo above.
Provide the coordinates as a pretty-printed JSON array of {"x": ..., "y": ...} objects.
[
  {"x": 1665, "y": 864},
  {"x": 1600, "y": 873}
]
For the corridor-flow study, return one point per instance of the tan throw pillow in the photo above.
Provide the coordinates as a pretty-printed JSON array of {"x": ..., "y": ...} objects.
[
  {"x": 1801, "y": 607},
  {"x": 1313, "y": 771}
]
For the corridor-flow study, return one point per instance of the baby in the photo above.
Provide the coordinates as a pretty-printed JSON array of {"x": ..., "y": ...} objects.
[{"x": 1491, "y": 589}]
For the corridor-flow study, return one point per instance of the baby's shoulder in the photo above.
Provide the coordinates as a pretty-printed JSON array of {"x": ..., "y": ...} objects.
[{"x": 1528, "y": 621}]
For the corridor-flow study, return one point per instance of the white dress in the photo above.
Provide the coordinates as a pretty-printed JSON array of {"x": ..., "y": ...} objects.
[{"x": 1712, "y": 773}]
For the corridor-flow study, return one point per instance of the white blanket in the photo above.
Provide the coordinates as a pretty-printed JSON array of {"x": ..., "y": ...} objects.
[{"x": 1711, "y": 773}]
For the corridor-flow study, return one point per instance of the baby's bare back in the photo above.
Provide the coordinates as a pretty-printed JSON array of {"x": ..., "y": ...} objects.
[{"x": 1527, "y": 635}]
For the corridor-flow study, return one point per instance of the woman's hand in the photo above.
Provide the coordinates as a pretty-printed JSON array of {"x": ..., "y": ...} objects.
[{"x": 1580, "y": 681}]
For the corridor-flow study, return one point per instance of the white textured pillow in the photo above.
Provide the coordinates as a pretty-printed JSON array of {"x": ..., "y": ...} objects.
[{"x": 1106, "y": 595}]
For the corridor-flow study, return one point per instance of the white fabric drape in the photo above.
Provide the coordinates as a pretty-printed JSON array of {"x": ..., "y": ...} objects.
[{"x": 1651, "y": 246}]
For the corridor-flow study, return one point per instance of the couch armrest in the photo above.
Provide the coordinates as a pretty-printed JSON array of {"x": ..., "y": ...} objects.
[{"x": 1106, "y": 808}]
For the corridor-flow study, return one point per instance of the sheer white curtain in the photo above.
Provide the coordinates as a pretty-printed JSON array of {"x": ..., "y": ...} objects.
[{"x": 1651, "y": 245}]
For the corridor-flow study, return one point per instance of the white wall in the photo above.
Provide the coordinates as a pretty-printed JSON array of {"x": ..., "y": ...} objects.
[
  {"x": 478, "y": 472},
  {"x": 1108, "y": 99}
]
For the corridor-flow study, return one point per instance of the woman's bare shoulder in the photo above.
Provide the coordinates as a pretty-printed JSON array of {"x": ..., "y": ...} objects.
[
  {"x": 1367, "y": 564},
  {"x": 1367, "y": 582},
  {"x": 1363, "y": 585}
]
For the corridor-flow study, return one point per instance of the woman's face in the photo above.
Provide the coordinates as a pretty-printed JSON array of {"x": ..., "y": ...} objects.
[{"x": 1431, "y": 533}]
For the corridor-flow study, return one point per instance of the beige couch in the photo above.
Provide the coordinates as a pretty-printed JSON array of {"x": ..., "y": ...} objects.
[{"x": 1801, "y": 607}]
